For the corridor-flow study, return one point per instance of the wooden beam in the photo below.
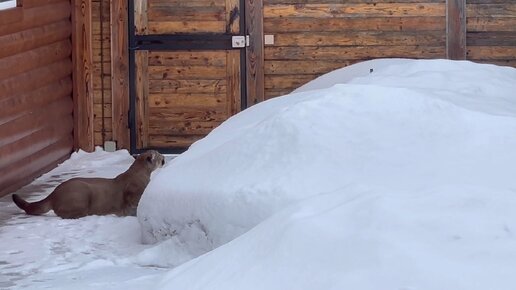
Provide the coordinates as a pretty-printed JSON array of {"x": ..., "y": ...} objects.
[
  {"x": 255, "y": 56},
  {"x": 456, "y": 29},
  {"x": 120, "y": 73},
  {"x": 82, "y": 74}
]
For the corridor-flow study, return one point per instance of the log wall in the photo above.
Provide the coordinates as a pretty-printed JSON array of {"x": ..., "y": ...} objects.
[{"x": 36, "y": 104}]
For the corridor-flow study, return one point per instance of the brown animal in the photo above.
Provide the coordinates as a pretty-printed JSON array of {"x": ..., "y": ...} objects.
[{"x": 79, "y": 197}]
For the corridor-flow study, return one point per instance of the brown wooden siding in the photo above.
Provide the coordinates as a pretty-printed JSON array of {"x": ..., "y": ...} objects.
[
  {"x": 314, "y": 37},
  {"x": 36, "y": 120},
  {"x": 101, "y": 45},
  {"x": 311, "y": 38},
  {"x": 491, "y": 31}
]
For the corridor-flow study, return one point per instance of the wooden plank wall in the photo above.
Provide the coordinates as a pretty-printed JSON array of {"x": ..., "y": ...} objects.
[
  {"x": 313, "y": 37},
  {"x": 101, "y": 75},
  {"x": 36, "y": 104},
  {"x": 491, "y": 31}
]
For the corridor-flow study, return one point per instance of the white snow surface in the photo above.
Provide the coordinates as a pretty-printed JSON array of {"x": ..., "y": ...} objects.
[
  {"x": 399, "y": 178},
  {"x": 95, "y": 252}
]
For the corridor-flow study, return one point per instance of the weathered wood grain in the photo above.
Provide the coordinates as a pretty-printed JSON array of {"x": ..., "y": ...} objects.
[
  {"x": 254, "y": 14},
  {"x": 24, "y": 171},
  {"x": 307, "y": 24},
  {"x": 82, "y": 77},
  {"x": 142, "y": 96},
  {"x": 355, "y": 10},
  {"x": 362, "y": 38},
  {"x": 352, "y": 53},
  {"x": 34, "y": 38},
  {"x": 120, "y": 74},
  {"x": 187, "y": 86},
  {"x": 491, "y": 52},
  {"x": 456, "y": 29},
  {"x": 233, "y": 92},
  {"x": 29, "y": 60}
]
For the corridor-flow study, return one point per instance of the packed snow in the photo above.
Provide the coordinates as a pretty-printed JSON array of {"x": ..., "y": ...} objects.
[
  {"x": 388, "y": 174},
  {"x": 402, "y": 177},
  {"x": 95, "y": 252}
]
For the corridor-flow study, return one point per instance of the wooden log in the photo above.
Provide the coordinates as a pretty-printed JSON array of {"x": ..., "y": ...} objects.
[
  {"x": 38, "y": 140},
  {"x": 27, "y": 4},
  {"x": 33, "y": 38},
  {"x": 32, "y": 59},
  {"x": 11, "y": 16},
  {"x": 20, "y": 103},
  {"x": 35, "y": 79},
  {"x": 33, "y": 120},
  {"x": 38, "y": 17},
  {"x": 24, "y": 171}
]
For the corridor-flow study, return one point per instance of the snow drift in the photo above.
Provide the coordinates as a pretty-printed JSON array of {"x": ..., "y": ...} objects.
[{"x": 390, "y": 177}]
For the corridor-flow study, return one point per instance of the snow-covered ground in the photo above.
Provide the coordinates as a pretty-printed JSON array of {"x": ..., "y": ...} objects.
[{"x": 389, "y": 174}]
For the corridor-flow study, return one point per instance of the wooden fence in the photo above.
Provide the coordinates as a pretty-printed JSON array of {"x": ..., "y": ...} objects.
[
  {"x": 35, "y": 90},
  {"x": 313, "y": 37}
]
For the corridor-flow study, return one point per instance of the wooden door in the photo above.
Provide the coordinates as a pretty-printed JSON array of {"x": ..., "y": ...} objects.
[{"x": 186, "y": 75}]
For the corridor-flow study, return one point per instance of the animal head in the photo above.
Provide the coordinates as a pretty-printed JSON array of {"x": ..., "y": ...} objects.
[{"x": 152, "y": 158}]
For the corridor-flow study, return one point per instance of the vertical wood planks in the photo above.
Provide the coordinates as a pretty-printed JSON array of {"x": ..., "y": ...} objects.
[
  {"x": 142, "y": 96},
  {"x": 233, "y": 80},
  {"x": 255, "y": 52},
  {"x": 120, "y": 73},
  {"x": 233, "y": 13},
  {"x": 456, "y": 29},
  {"x": 140, "y": 17},
  {"x": 82, "y": 74}
]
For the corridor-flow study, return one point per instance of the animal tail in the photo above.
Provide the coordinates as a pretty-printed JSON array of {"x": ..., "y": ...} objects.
[{"x": 33, "y": 208}]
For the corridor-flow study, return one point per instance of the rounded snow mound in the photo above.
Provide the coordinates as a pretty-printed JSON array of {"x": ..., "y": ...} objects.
[{"x": 402, "y": 126}]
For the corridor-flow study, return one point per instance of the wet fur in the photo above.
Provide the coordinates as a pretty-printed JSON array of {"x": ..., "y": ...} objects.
[{"x": 79, "y": 197}]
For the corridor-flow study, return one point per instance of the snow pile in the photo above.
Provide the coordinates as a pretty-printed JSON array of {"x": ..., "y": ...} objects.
[{"x": 403, "y": 177}]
